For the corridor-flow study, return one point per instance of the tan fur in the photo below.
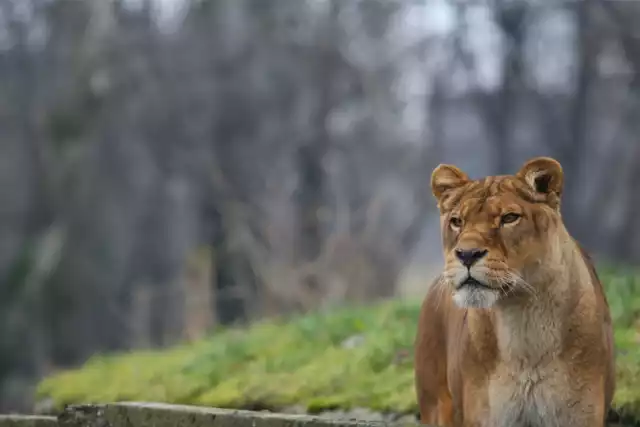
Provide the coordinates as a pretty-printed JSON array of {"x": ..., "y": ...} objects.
[{"x": 529, "y": 343}]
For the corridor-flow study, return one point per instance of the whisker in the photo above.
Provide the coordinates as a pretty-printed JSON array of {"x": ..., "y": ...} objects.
[
  {"x": 523, "y": 284},
  {"x": 441, "y": 284},
  {"x": 510, "y": 281}
]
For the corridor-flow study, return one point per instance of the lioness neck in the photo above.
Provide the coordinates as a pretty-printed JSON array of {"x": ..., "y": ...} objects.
[{"x": 532, "y": 329}]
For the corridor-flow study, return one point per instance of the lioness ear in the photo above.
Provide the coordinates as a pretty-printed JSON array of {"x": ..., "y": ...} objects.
[
  {"x": 445, "y": 178},
  {"x": 543, "y": 174}
]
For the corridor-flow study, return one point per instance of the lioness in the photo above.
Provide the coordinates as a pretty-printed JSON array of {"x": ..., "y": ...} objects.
[{"x": 516, "y": 332}]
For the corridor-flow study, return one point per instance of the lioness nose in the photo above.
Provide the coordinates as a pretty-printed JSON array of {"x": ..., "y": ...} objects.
[{"x": 468, "y": 257}]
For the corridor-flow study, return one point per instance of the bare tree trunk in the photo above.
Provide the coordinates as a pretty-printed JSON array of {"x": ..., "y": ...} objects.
[
  {"x": 624, "y": 245},
  {"x": 626, "y": 236},
  {"x": 431, "y": 154},
  {"x": 578, "y": 122},
  {"x": 512, "y": 20},
  {"x": 497, "y": 113},
  {"x": 311, "y": 196},
  {"x": 198, "y": 314},
  {"x": 140, "y": 315}
]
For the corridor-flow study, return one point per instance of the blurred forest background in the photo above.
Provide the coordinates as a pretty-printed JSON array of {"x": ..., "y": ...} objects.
[{"x": 169, "y": 166}]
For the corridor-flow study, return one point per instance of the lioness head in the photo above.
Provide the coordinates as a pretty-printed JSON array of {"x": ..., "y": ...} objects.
[{"x": 497, "y": 231}]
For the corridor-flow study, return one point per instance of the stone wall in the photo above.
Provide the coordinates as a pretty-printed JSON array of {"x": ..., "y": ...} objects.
[{"x": 161, "y": 415}]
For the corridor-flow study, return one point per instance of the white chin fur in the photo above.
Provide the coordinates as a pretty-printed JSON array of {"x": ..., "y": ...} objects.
[{"x": 469, "y": 297}]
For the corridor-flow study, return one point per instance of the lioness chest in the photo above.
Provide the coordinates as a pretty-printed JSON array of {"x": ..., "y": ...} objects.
[
  {"x": 532, "y": 386},
  {"x": 518, "y": 397},
  {"x": 529, "y": 397}
]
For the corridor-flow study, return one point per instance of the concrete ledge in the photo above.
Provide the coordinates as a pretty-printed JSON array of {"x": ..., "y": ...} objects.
[
  {"x": 162, "y": 415},
  {"x": 27, "y": 421}
]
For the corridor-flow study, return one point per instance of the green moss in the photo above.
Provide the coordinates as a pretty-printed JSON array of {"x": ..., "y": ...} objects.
[{"x": 307, "y": 360}]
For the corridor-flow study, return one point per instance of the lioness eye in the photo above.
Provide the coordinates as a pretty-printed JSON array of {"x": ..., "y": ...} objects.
[
  {"x": 455, "y": 222},
  {"x": 509, "y": 218}
]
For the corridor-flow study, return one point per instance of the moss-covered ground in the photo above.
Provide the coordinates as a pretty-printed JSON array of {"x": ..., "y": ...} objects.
[{"x": 343, "y": 358}]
